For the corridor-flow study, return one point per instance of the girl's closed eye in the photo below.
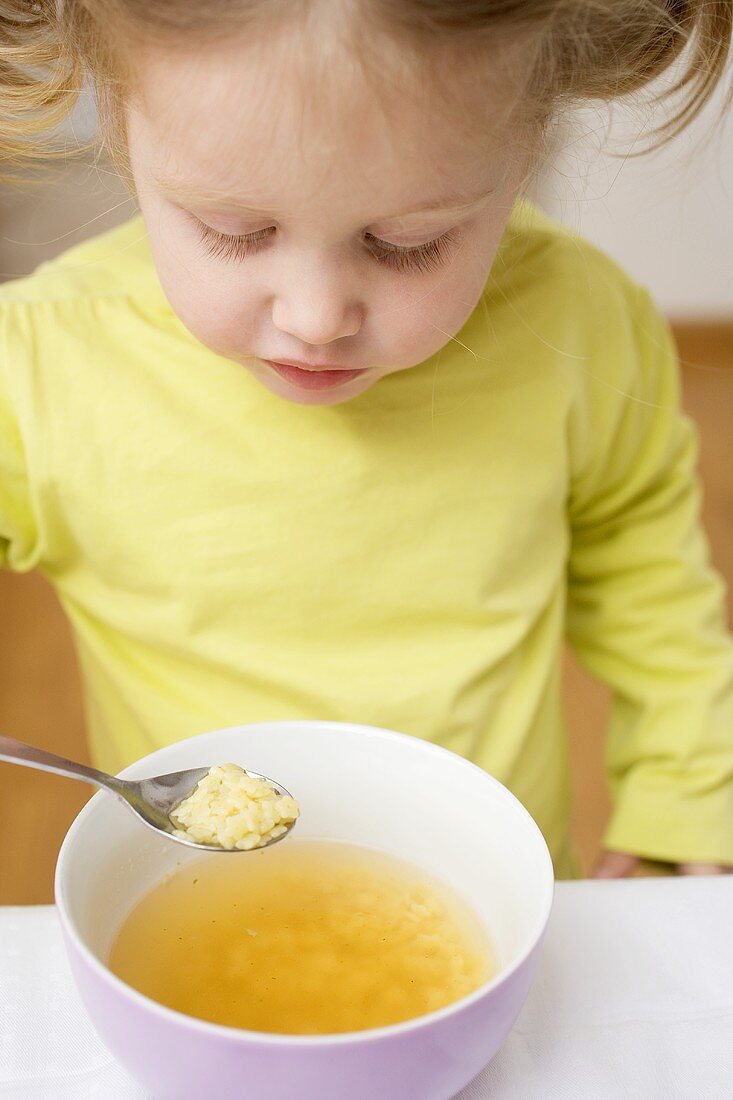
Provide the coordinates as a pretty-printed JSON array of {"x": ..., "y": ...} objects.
[
  {"x": 423, "y": 257},
  {"x": 418, "y": 258}
]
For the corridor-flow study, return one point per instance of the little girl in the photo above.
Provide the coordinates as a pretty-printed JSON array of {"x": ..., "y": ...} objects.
[{"x": 340, "y": 427}]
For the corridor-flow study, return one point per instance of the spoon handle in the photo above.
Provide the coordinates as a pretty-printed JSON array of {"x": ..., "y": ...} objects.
[{"x": 17, "y": 752}]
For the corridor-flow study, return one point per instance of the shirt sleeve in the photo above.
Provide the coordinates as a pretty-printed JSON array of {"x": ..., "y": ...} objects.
[
  {"x": 18, "y": 529},
  {"x": 646, "y": 612}
]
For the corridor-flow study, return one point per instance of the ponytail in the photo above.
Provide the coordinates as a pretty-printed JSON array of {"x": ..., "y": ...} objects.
[{"x": 40, "y": 81}]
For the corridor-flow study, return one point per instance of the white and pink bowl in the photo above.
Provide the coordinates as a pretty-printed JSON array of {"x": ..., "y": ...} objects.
[{"x": 355, "y": 783}]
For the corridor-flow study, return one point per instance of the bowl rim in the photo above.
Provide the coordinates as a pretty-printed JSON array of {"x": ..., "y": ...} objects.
[{"x": 326, "y": 1039}]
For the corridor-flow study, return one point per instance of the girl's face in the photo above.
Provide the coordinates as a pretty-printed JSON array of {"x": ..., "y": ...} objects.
[{"x": 303, "y": 220}]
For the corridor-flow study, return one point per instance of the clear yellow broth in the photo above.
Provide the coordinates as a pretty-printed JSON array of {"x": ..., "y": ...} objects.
[{"x": 306, "y": 937}]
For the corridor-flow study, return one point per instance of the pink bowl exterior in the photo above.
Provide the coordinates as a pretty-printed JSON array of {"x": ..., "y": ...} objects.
[{"x": 177, "y": 1060}]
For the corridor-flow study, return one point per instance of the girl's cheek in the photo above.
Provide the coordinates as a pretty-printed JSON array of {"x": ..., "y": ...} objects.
[
  {"x": 422, "y": 325},
  {"x": 227, "y": 327},
  {"x": 216, "y": 315}
]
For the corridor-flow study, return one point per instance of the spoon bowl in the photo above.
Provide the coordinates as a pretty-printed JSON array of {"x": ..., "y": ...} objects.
[{"x": 152, "y": 799}]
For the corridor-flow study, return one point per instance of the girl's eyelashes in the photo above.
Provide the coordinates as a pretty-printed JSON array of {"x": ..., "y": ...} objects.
[
  {"x": 422, "y": 257},
  {"x": 224, "y": 246},
  {"x": 419, "y": 258}
]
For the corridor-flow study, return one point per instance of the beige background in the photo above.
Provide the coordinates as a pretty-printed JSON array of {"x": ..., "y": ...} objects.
[
  {"x": 40, "y": 698},
  {"x": 666, "y": 216}
]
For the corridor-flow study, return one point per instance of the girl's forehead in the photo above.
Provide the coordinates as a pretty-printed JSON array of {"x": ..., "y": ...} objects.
[{"x": 252, "y": 120}]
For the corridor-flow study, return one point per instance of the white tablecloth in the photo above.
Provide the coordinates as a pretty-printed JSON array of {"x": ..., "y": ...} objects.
[{"x": 633, "y": 998}]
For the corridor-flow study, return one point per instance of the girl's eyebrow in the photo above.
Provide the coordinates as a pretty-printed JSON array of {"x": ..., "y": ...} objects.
[
  {"x": 452, "y": 204},
  {"x": 190, "y": 192}
]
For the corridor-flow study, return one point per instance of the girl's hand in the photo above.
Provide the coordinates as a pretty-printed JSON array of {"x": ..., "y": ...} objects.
[{"x": 623, "y": 865}]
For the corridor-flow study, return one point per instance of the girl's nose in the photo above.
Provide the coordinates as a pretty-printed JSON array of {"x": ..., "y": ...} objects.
[{"x": 315, "y": 313}]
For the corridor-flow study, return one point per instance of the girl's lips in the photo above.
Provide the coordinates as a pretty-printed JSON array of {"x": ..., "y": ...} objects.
[{"x": 312, "y": 379}]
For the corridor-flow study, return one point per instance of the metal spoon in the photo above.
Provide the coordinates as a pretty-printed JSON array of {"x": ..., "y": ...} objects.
[{"x": 151, "y": 799}]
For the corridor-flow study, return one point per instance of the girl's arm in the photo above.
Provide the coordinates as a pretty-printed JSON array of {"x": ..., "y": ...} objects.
[
  {"x": 647, "y": 613},
  {"x": 18, "y": 527}
]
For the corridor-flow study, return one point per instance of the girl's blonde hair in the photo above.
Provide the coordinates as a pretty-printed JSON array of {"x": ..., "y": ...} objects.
[{"x": 585, "y": 50}]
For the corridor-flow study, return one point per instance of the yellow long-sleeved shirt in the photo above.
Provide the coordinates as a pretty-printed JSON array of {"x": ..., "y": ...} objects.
[{"x": 410, "y": 559}]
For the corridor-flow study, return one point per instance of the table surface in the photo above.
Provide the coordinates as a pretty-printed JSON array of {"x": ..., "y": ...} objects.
[{"x": 633, "y": 997}]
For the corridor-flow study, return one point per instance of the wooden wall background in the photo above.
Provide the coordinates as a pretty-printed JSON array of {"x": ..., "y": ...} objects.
[{"x": 40, "y": 697}]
